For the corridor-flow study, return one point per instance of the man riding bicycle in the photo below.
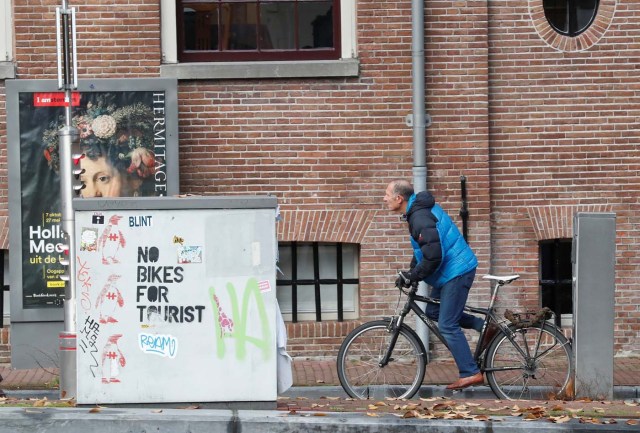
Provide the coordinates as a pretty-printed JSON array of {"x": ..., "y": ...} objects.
[{"x": 442, "y": 259}]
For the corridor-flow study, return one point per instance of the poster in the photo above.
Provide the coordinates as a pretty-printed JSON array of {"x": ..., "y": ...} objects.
[{"x": 130, "y": 145}]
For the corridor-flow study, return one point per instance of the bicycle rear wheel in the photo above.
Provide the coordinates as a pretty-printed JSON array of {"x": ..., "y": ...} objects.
[
  {"x": 541, "y": 373},
  {"x": 359, "y": 371}
]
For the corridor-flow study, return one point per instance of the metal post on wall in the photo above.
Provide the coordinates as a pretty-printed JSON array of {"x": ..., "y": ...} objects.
[
  {"x": 464, "y": 210},
  {"x": 68, "y": 147}
]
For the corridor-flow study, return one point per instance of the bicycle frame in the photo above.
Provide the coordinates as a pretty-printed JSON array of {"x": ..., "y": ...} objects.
[{"x": 488, "y": 313}]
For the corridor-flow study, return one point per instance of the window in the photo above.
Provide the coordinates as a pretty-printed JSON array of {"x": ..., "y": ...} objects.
[
  {"x": 570, "y": 17},
  {"x": 556, "y": 276},
  {"x": 319, "y": 281},
  {"x": 238, "y": 30}
]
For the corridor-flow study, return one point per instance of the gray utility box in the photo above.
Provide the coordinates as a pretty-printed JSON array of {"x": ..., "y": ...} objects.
[
  {"x": 594, "y": 260},
  {"x": 176, "y": 300}
]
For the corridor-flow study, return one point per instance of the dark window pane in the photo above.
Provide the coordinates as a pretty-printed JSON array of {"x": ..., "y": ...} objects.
[
  {"x": 555, "y": 276},
  {"x": 570, "y": 17},
  {"x": 547, "y": 261},
  {"x": 585, "y": 11},
  {"x": 563, "y": 258},
  {"x": 277, "y": 19},
  {"x": 200, "y": 24},
  {"x": 239, "y": 25},
  {"x": 315, "y": 21},
  {"x": 557, "y": 13}
]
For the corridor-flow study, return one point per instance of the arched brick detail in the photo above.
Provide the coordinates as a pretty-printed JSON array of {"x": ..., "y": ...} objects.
[
  {"x": 556, "y": 222},
  {"x": 344, "y": 226},
  {"x": 585, "y": 40}
]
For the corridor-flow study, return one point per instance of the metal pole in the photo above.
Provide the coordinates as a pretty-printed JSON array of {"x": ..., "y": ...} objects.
[
  {"x": 420, "y": 121},
  {"x": 68, "y": 149}
]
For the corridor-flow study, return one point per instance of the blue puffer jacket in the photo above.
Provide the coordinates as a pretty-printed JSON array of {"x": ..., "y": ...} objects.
[{"x": 440, "y": 251}]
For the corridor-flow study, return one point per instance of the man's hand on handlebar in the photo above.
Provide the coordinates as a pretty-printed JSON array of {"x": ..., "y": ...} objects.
[{"x": 403, "y": 281}]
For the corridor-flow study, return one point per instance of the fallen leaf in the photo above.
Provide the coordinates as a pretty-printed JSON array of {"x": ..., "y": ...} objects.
[
  {"x": 156, "y": 411},
  {"x": 556, "y": 408},
  {"x": 331, "y": 398},
  {"x": 381, "y": 403},
  {"x": 631, "y": 403},
  {"x": 430, "y": 399},
  {"x": 632, "y": 422},
  {"x": 319, "y": 414},
  {"x": 372, "y": 407},
  {"x": 372, "y": 414},
  {"x": 319, "y": 381},
  {"x": 609, "y": 421},
  {"x": 598, "y": 410},
  {"x": 95, "y": 410},
  {"x": 481, "y": 418},
  {"x": 302, "y": 398},
  {"x": 32, "y": 411},
  {"x": 472, "y": 404},
  {"x": 293, "y": 412},
  {"x": 410, "y": 414},
  {"x": 560, "y": 419},
  {"x": 496, "y": 409},
  {"x": 192, "y": 407}
]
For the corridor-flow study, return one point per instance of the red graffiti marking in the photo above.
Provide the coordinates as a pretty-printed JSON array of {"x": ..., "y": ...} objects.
[{"x": 85, "y": 279}]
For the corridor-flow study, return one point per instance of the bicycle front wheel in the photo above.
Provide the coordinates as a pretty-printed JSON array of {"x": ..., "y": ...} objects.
[
  {"x": 536, "y": 366},
  {"x": 359, "y": 358}
]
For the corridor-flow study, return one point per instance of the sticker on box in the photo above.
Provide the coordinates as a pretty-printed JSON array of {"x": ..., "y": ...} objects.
[{"x": 189, "y": 254}]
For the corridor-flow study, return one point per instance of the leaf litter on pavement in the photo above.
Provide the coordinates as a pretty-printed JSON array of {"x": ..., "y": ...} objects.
[{"x": 584, "y": 411}]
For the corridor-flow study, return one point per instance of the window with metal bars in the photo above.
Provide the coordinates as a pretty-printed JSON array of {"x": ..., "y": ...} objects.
[
  {"x": 556, "y": 276},
  {"x": 570, "y": 17},
  {"x": 318, "y": 281},
  {"x": 245, "y": 30}
]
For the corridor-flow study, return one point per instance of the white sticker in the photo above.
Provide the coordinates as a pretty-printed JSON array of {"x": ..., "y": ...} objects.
[{"x": 255, "y": 254}]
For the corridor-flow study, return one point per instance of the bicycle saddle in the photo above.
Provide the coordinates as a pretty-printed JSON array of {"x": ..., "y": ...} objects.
[{"x": 502, "y": 280}]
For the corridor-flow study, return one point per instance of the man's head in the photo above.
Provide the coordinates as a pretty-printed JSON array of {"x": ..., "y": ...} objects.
[{"x": 397, "y": 195}]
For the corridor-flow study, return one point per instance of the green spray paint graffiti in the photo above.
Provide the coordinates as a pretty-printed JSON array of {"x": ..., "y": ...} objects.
[{"x": 235, "y": 327}]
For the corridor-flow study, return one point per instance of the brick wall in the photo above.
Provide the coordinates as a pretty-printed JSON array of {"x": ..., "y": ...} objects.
[
  {"x": 114, "y": 38},
  {"x": 563, "y": 132},
  {"x": 535, "y": 130}
]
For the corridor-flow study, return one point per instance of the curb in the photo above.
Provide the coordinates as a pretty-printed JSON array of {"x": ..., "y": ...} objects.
[{"x": 74, "y": 420}]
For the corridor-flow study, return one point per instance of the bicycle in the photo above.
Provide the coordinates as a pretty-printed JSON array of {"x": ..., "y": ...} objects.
[{"x": 528, "y": 358}]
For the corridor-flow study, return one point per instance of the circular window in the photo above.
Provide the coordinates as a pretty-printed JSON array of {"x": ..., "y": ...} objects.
[
  {"x": 571, "y": 25},
  {"x": 570, "y": 17}
]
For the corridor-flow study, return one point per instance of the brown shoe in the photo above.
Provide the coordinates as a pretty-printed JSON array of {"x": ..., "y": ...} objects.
[
  {"x": 464, "y": 382},
  {"x": 491, "y": 331}
]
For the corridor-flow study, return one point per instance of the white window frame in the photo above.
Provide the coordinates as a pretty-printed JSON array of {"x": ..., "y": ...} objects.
[
  {"x": 346, "y": 66},
  {"x": 7, "y": 68}
]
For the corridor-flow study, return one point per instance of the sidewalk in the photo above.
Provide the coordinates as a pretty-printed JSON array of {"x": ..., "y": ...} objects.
[
  {"x": 474, "y": 412},
  {"x": 308, "y": 372}
]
